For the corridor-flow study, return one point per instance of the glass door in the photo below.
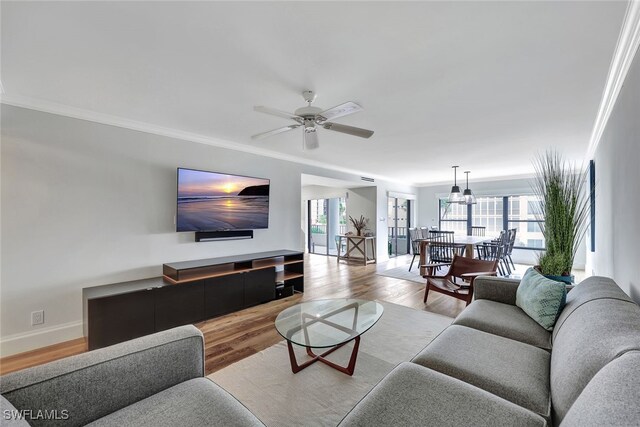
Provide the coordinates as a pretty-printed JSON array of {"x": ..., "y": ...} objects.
[
  {"x": 327, "y": 218},
  {"x": 398, "y": 223}
]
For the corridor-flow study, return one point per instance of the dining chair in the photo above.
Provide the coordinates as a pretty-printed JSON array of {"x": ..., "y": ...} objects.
[
  {"x": 512, "y": 242},
  {"x": 477, "y": 230},
  {"x": 442, "y": 247},
  {"x": 458, "y": 280},
  {"x": 496, "y": 250},
  {"x": 415, "y": 234}
]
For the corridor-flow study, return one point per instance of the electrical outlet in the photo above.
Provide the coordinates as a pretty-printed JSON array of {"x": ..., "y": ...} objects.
[{"x": 37, "y": 317}]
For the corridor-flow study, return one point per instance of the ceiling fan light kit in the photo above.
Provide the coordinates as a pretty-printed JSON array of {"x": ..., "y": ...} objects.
[{"x": 309, "y": 117}]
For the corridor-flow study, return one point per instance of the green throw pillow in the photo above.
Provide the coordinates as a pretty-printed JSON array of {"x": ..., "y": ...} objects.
[{"x": 541, "y": 298}]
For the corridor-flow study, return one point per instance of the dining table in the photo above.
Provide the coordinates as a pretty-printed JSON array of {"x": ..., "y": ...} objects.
[{"x": 468, "y": 242}]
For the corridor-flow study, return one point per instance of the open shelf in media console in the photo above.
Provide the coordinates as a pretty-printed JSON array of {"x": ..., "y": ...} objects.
[{"x": 190, "y": 271}]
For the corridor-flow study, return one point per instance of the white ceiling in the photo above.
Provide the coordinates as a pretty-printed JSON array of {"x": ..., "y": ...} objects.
[{"x": 481, "y": 84}]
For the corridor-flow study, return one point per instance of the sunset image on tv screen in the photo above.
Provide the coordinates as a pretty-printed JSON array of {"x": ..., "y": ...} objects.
[{"x": 209, "y": 201}]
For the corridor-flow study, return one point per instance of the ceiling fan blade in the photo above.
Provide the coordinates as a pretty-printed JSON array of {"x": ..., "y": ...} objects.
[
  {"x": 311, "y": 140},
  {"x": 274, "y": 132},
  {"x": 339, "y": 111},
  {"x": 351, "y": 130},
  {"x": 278, "y": 113}
]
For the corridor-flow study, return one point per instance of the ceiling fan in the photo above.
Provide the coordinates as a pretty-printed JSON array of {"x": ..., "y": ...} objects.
[{"x": 309, "y": 117}]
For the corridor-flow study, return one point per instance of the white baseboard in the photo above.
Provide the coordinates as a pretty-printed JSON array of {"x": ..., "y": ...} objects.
[{"x": 27, "y": 341}]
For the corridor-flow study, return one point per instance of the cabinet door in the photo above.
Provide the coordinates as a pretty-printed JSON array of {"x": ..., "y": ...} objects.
[
  {"x": 178, "y": 305},
  {"x": 120, "y": 318},
  {"x": 259, "y": 286},
  {"x": 223, "y": 295}
]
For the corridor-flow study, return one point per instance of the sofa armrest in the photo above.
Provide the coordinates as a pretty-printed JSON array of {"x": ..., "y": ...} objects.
[
  {"x": 496, "y": 289},
  {"x": 91, "y": 385}
]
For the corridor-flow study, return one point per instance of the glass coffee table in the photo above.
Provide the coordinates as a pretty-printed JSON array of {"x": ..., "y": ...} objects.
[{"x": 327, "y": 323}]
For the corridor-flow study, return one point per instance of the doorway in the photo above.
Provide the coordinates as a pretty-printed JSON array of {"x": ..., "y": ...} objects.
[
  {"x": 398, "y": 224},
  {"x": 326, "y": 219}
]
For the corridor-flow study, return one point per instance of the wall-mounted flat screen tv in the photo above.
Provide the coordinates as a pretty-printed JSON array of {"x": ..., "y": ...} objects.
[{"x": 211, "y": 201}]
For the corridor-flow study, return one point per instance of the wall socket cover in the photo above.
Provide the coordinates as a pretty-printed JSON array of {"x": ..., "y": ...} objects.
[{"x": 37, "y": 317}]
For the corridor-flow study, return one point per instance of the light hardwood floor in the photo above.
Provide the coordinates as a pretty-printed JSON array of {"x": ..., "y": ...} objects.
[{"x": 235, "y": 336}]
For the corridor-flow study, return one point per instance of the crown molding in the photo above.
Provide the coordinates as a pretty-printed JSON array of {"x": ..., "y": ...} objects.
[
  {"x": 626, "y": 48},
  {"x": 479, "y": 180},
  {"x": 107, "y": 119}
]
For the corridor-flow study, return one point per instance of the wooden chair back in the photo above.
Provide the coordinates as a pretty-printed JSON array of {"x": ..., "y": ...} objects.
[{"x": 463, "y": 265}]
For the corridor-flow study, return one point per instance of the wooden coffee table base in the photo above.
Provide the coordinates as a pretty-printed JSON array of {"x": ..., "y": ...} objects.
[{"x": 321, "y": 357}]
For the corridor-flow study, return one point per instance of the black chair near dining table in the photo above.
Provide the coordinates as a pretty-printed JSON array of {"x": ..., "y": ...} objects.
[
  {"x": 442, "y": 247},
  {"x": 415, "y": 234}
]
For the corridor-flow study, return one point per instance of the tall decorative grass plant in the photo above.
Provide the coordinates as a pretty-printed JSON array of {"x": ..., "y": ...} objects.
[{"x": 563, "y": 212}]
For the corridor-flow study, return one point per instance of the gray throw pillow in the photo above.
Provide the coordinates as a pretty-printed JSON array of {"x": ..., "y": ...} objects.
[{"x": 541, "y": 298}]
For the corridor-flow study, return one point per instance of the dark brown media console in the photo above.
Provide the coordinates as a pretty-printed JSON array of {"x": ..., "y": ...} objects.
[{"x": 188, "y": 292}]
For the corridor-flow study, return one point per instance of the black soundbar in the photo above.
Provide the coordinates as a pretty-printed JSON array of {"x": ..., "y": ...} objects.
[{"x": 209, "y": 236}]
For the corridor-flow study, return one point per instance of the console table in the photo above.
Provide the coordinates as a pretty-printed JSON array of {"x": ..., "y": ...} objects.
[
  {"x": 357, "y": 248},
  {"x": 188, "y": 292}
]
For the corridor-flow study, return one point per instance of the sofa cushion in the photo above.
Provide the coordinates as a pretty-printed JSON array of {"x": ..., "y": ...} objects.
[
  {"x": 507, "y": 368},
  {"x": 197, "y": 402},
  {"x": 591, "y": 289},
  {"x": 618, "y": 381},
  {"x": 505, "y": 320},
  {"x": 412, "y": 395},
  {"x": 595, "y": 333},
  {"x": 541, "y": 298}
]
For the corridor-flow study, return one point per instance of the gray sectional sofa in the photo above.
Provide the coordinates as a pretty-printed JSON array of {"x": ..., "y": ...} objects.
[
  {"x": 494, "y": 366},
  {"x": 150, "y": 381}
]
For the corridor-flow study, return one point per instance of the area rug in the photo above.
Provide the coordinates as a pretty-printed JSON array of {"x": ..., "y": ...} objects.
[
  {"x": 404, "y": 273},
  {"x": 320, "y": 395}
]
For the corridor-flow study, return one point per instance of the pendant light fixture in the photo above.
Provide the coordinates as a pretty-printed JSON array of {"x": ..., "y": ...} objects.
[
  {"x": 455, "y": 196},
  {"x": 469, "y": 198}
]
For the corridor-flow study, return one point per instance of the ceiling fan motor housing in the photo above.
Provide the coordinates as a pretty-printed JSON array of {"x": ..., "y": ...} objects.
[
  {"x": 308, "y": 112},
  {"x": 309, "y": 124}
]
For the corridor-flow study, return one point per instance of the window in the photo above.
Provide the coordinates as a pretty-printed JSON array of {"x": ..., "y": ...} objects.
[
  {"x": 534, "y": 243},
  {"x": 529, "y": 234},
  {"x": 488, "y": 213},
  {"x": 453, "y": 217},
  {"x": 497, "y": 213}
]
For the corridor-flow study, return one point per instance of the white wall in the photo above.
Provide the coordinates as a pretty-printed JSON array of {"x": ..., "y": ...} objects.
[
  {"x": 362, "y": 201},
  {"x": 617, "y": 163},
  {"x": 86, "y": 204},
  {"x": 428, "y": 210}
]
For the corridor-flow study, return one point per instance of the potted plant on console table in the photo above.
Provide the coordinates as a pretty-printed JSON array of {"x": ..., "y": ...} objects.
[
  {"x": 359, "y": 224},
  {"x": 563, "y": 215}
]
